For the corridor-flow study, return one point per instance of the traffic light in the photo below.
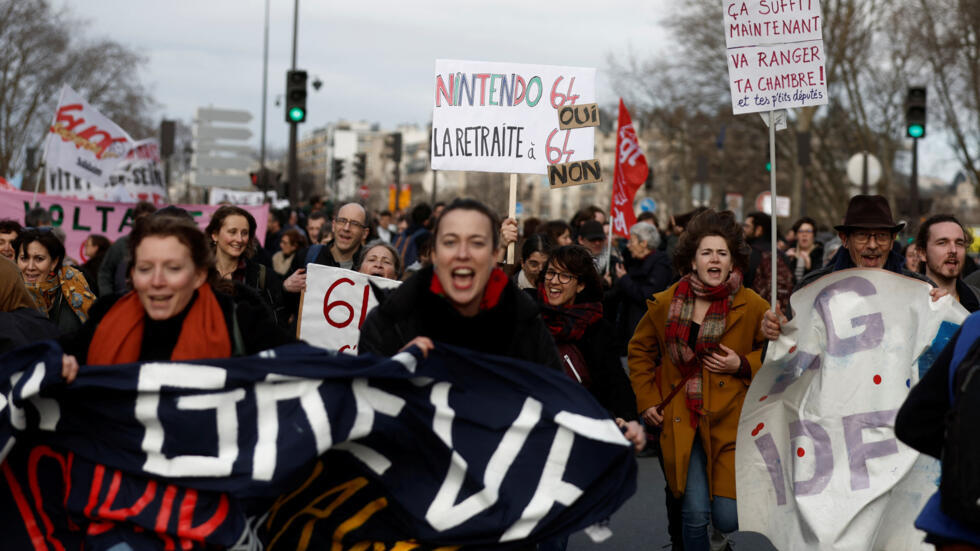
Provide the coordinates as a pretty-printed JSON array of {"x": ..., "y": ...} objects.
[
  {"x": 337, "y": 169},
  {"x": 295, "y": 96},
  {"x": 768, "y": 167},
  {"x": 915, "y": 112},
  {"x": 393, "y": 146},
  {"x": 360, "y": 166}
]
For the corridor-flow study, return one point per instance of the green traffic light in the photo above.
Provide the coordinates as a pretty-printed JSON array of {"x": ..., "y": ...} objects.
[
  {"x": 916, "y": 130},
  {"x": 297, "y": 114},
  {"x": 768, "y": 166}
]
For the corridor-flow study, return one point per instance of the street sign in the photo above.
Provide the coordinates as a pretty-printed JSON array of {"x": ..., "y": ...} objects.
[
  {"x": 223, "y": 115},
  {"x": 763, "y": 203},
  {"x": 221, "y": 152},
  {"x": 648, "y": 205},
  {"x": 519, "y": 209},
  {"x": 363, "y": 192}
]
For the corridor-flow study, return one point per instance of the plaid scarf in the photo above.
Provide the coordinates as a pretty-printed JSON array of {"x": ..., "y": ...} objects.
[
  {"x": 678, "y": 330},
  {"x": 569, "y": 321}
]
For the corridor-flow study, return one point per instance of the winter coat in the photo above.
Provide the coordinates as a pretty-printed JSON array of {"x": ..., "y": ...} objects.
[
  {"x": 654, "y": 375},
  {"x": 609, "y": 384},
  {"x": 511, "y": 328},
  {"x": 643, "y": 278}
]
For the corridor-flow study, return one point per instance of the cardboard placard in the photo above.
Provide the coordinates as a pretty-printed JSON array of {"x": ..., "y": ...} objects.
[
  {"x": 578, "y": 116},
  {"x": 574, "y": 174}
]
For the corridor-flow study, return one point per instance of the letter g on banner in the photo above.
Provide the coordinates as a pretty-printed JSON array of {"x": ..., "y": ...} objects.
[{"x": 874, "y": 324}]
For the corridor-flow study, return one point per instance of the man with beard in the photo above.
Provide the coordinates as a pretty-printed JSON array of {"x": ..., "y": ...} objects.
[
  {"x": 867, "y": 236},
  {"x": 941, "y": 245}
]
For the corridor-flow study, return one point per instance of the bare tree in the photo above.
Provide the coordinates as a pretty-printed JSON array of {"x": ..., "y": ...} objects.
[{"x": 40, "y": 54}]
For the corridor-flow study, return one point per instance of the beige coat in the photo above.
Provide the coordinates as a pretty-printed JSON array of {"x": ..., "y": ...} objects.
[{"x": 653, "y": 376}]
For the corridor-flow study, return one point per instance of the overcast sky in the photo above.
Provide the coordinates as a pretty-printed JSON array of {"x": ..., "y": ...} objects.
[{"x": 376, "y": 58}]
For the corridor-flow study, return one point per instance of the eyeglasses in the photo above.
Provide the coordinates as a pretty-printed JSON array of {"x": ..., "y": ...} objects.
[
  {"x": 42, "y": 229},
  {"x": 353, "y": 223},
  {"x": 862, "y": 237},
  {"x": 563, "y": 278}
]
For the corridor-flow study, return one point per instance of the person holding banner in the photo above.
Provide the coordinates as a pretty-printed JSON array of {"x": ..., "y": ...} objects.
[
  {"x": 691, "y": 361},
  {"x": 179, "y": 309},
  {"x": 60, "y": 290},
  {"x": 463, "y": 298},
  {"x": 380, "y": 259},
  {"x": 232, "y": 233}
]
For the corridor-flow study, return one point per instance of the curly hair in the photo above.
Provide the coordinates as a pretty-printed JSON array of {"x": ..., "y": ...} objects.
[{"x": 707, "y": 223}]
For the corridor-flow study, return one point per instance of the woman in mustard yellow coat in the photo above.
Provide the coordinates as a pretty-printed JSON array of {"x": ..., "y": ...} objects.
[{"x": 691, "y": 361}]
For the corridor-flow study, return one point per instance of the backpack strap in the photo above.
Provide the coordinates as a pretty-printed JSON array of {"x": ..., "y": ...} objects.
[
  {"x": 261, "y": 281},
  {"x": 312, "y": 253},
  {"x": 237, "y": 342}
]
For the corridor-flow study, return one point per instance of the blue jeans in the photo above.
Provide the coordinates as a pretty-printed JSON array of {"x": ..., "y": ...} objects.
[{"x": 697, "y": 507}]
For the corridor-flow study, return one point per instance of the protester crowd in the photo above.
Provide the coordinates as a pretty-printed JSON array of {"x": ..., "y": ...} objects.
[{"x": 665, "y": 328}]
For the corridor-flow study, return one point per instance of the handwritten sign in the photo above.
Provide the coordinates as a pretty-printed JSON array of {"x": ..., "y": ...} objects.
[
  {"x": 817, "y": 463},
  {"x": 578, "y": 116},
  {"x": 80, "y": 218},
  {"x": 775, "y": 54},
  {"x": 573, "y": 174},
  {"x": 500, "y": 117},
  {"x": 335, "y": 304}
]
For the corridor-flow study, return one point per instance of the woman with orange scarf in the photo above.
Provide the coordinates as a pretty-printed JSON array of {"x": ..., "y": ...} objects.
[
  {"x": 176, "y": 311},
  {"x": 691, "y": 361}
]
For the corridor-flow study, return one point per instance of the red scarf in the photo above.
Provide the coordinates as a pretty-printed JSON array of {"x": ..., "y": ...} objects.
[
  {"x": 119, "y": 335},
  {"x": 569, "y": 321},
  {"x": 678, "y": 330},
  {"x": 491, "y": 294}
]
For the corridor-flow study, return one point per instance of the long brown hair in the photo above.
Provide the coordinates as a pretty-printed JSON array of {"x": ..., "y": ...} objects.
[{"x": 218, "y": 219}]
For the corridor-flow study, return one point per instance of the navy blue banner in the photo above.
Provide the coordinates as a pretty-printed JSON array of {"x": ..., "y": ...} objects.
[{"x": 298, "y": 446}]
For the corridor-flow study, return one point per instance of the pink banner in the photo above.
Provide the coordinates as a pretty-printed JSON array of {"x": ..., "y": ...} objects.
[{"x": 81, "y": 218}]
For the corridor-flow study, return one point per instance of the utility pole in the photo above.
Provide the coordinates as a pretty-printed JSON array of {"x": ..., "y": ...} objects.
[
  {"x": 263, "y": 177},
  {"x": 293, "y": 176}
]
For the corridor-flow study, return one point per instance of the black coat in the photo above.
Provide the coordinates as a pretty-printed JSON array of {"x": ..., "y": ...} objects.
[
  {"x": 609, "y": 384},
  {"x": 24, "y": 326},
  {"x": 256, "y": 326},
  {"x": 268, "y": 284},
  {"x": 643, "y": 278},
  {"x": 511, "y": 328}
]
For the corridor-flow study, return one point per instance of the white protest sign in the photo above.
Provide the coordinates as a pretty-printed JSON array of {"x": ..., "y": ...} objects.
[
  {"x": 335, "y": 304},
  {"x": 503, "y": 117},
  {"x": 83, "y": 142},
  {"x": 138, "y": 177},
  {"x": 817, "y": 464},
  {"x": 775, "y": 54},
  {"x": 219, "y": 195}
]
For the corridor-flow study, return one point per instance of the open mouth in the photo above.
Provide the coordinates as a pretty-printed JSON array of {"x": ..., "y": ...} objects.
[
  {"x": 463, "y": 278},
  {"x": 714, "y": 272},
  {"x": 870, "y": 259},
  {"x": 553, "y": 293}
]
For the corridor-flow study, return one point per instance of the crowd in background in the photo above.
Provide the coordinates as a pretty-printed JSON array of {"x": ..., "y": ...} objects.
[{"x": 639, "y": 321}]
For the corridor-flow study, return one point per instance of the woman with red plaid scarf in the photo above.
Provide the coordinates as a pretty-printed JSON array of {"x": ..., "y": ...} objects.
[{"x": 691, "y": 361}]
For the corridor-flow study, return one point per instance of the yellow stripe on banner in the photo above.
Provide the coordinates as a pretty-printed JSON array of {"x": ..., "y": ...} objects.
[
  {"x": 353, "y": 523},
  {"x": 281, "y": 500},
  {"x": 346, "y": 490}
]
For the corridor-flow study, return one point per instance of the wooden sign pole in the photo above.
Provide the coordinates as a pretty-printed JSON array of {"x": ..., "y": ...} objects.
[{"x": 512, "y": 213}]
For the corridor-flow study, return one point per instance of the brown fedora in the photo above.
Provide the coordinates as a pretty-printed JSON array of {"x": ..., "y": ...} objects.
[{"x": 870, "y": 212}]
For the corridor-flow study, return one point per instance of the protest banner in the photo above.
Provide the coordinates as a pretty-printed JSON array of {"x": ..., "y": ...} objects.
[
  {"x": 82, "y": 141},
  {"x": 335, "y": 304},
  {"x": 80, "y": 218},
  {"x": 139, "y": 177},
  {"x": 217, "y": 195},
  {"x": 775, "y": 54},
  {"x": 817, "y": 463},
  {"x": 501, "y": 117},
  {"x": 190, "y": 455}
]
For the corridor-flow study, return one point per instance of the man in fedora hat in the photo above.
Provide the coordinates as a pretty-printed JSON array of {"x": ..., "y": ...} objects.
[{"x": 867, "y": 236}]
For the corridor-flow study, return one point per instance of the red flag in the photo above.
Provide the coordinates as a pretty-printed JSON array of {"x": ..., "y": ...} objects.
[{"x": 631, "y": 172}]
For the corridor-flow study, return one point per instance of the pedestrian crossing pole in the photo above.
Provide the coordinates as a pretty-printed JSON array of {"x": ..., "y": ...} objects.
[{"x": 772, "y": 205}]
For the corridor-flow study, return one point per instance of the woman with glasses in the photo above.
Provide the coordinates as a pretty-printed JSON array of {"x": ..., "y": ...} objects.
[
  {"x": 807, "y": 255},
  {"x": 60, "y": 291},
  {"x": 232, "y": 234},
  {"x": 691, "y": 361}
]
